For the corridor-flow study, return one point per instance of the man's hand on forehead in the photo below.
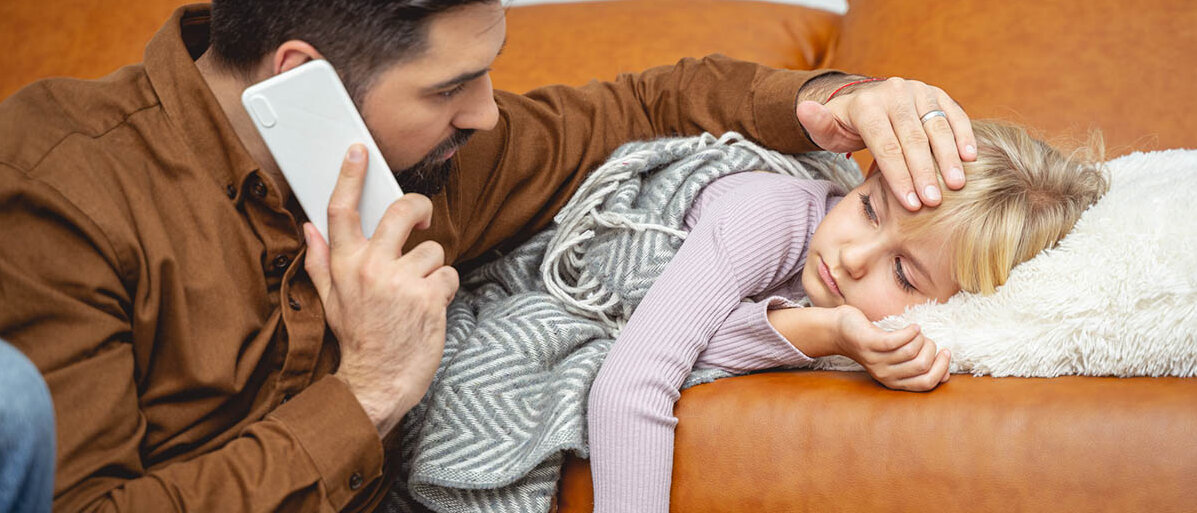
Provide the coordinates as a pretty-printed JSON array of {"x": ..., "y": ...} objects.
[{"x": 910, "y": 127}]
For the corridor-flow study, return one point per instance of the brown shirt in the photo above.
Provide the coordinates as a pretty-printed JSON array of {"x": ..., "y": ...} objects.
[{"x": 155, "y": 275}]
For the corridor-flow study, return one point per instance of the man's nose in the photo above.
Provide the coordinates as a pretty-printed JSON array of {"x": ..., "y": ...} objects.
[{"x": 480, "y": 112}]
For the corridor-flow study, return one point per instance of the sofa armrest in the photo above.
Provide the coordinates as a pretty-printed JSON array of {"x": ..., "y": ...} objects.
[{"x": 832, "y": 441}]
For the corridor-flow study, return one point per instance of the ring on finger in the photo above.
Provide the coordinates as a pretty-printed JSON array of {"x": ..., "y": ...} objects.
[{"x": 932, "y": 115}]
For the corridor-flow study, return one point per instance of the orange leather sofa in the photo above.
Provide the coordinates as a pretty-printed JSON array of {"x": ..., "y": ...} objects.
[{"x": 826, "y": 441}]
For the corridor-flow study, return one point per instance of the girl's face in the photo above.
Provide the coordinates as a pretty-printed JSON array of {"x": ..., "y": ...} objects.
[{"x": 859, "y": 256}]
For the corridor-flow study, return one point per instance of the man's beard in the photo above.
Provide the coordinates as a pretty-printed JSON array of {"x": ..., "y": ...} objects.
[{"x": 430, "y": 174}]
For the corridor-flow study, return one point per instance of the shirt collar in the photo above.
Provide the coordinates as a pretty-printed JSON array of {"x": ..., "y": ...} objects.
[{"x": 185, "y": 97}]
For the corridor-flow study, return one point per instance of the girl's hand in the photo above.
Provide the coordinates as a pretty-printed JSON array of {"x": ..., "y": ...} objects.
[{"x": 901, "y": 360}]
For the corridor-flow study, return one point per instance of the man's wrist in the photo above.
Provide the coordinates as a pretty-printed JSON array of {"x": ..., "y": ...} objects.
[
  {"x": 820, "y": 88},
  {"x": 381, "y": 413}
]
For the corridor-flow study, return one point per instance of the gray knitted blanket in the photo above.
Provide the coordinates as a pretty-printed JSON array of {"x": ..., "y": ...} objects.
[{"x": 527, "y": 333}]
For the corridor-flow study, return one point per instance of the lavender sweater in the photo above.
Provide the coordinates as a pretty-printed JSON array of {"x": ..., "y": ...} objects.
[{"x": 743, "y": 256}]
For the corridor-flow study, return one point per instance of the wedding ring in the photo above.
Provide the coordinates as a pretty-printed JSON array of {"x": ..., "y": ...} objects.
[{"x": 932, "y": 115}]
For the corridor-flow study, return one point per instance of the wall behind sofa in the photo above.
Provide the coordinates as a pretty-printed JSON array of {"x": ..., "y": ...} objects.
[
  {"x": 836, "y": 6},
  {"x": 91, "y": 38}
]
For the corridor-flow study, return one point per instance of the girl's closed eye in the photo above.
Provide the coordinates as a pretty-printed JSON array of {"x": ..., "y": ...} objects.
[
  {"x": 866, "y": 206},
  {"x": 900, "y": 274}
]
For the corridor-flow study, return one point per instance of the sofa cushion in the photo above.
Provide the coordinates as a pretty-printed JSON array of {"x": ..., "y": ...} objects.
[
  {"x": 1127, "y": 68},
  {"x": 575, "y": 43},
  {"x": 839, "y": 442}
]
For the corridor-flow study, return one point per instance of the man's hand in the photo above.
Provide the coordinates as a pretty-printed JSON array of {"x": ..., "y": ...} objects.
[
  {"x": 901, "y": 360},
  {"x": 884, "y": 116},
  {"x": 386, "y": 308}
]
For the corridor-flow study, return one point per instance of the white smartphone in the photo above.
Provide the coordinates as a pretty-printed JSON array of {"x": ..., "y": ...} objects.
[{"x": 309, "y": 122}]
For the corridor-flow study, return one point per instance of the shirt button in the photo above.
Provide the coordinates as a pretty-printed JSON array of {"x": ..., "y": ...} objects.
[
  {"x": 259, "y": 189},
  {"x": 294, "y": 303},
  {"x": 355, "y": 481},
  {"x": 281, "y": 262},
  {"x": 231, "y": 191}
]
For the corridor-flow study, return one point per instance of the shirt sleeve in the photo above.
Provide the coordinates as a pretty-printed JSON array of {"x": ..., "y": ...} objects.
[
  {"x": 67, "y": 306},
  {"x": 745, "y": 242},
  {"x": 512, "y": 180}
]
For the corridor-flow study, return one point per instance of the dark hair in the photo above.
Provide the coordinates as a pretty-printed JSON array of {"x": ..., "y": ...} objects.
[{"x": 359, "y": 37}]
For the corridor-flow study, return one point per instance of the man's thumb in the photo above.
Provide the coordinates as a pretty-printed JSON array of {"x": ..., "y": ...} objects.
[{"x": 819, "y": 123}]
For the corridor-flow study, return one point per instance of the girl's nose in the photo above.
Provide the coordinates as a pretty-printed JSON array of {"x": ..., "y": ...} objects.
[{"x": 856, "y": 257}]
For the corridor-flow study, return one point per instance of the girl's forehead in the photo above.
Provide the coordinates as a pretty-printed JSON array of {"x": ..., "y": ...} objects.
[{"x": 931, "y": 251}]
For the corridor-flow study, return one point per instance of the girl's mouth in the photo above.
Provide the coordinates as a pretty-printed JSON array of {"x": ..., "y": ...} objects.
[{"x": 825, "y": 274}]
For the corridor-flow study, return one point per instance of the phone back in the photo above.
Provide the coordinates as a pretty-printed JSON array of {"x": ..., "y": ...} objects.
[{"x": 309, "y": 122}]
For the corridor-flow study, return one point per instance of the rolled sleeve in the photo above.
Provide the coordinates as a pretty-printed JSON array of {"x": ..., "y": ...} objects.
[{"x": 775, "y": 107}]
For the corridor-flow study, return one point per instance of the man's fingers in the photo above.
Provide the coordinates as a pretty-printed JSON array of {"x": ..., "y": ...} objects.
[
  {"x": 344, "y": 222},
  {"x": 316, "y": 261},
  {"x": 424, "y": 259},
  {"x": 447, "y": 280},
  {"x": 962, "y": 129},
  {"x": 943, "y": 144},
  {"x": 915, "y": 142},
  {"x": 892, "y": 121},
  {"x": 959, "y": 145},
  {"x": 411, "y": 212},
  {"x": 879, "y": 137}
]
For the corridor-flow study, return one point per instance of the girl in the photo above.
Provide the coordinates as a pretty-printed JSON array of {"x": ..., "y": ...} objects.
[{"x": 777, "y": 271}]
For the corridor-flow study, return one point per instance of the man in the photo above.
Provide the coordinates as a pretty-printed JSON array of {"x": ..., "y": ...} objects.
[{"x": 153, "y": 266}]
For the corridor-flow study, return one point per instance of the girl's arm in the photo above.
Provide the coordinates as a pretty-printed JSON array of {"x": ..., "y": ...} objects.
[
  {"x": 902, "y": 359},
  {"x": 814, "y": 330},
  {"x": 746, "y": 241},
  {"x": 749, "y": 341}
]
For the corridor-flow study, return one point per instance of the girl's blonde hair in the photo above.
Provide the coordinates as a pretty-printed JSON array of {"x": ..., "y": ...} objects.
[{"x": 1022, "y": 196}]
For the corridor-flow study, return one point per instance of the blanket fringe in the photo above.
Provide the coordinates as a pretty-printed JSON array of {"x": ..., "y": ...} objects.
[{"x": 562, "y": 266}]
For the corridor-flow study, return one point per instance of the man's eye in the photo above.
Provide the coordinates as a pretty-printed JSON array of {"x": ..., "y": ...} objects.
[
  {"x": 452, "y": 92},
  {"x": 866, "y": 206}
]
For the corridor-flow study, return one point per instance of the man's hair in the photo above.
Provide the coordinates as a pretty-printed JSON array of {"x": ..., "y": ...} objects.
[
  {"x": 361, "y": 38},
  {"x": 1022, "y": 197}
]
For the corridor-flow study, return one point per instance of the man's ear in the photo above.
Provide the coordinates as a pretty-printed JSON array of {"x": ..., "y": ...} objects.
[{"x": 291, "y": 54}]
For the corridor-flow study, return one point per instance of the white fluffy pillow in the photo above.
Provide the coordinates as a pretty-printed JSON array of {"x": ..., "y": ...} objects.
[{"x": 1117, "y": 296}]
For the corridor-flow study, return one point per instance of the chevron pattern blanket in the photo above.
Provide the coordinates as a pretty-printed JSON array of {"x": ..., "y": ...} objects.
[{"x": 527, "y": 333}]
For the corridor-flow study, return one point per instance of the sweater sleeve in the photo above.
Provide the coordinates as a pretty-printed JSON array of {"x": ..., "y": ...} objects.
[
  {"x": 745, "y": 242},
  {"x": 747, "y": 342}
]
